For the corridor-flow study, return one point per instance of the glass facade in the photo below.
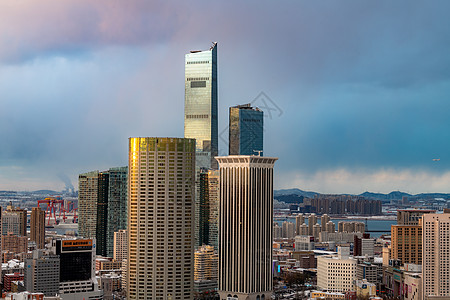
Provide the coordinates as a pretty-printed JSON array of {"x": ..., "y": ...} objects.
[
  {"x": 117, "y": 205},
  {"x": 200, "y": 105},
  {"x": 246, "y": 130},
  {"x": 200, "y": 116}
]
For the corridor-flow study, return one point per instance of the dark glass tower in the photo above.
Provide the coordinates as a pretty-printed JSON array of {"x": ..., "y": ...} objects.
[{"x": 246, "y": 130}]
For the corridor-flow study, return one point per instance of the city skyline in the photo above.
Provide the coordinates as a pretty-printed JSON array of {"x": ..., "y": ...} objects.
[{"x": 360, "y": 89}]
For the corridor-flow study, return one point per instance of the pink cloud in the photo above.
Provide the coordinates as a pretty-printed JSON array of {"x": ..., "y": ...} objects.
[{"x": 30, "y": 27}]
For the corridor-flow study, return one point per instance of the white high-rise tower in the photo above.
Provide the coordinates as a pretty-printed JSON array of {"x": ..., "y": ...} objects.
[{"x": 246, "y": 211}]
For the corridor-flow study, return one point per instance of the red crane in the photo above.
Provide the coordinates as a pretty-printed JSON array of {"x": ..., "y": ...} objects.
[{"x": 52, "y": 205}]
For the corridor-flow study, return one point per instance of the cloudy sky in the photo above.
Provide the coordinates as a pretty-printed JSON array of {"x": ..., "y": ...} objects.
[{"x": 357, "y": 91}]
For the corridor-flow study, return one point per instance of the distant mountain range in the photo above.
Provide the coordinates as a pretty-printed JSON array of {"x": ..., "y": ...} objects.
[{"x": 291, "y": 195}]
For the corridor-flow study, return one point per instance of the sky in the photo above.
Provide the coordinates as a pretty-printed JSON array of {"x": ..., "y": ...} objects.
[{"x": 356, "y": 93}]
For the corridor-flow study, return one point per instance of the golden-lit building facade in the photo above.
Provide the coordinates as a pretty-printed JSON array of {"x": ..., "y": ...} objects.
[{"x": 161, "y": 178}]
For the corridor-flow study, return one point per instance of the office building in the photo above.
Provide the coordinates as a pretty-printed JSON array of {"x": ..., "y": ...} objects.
[
  {"x": 120, "y": 245},
  {"x": 77, "y": 269},
  {"x": 245, "y": 247},
  {"x": 117, "y": 205},
  {"x": 206, "y": 267},
  {"x": 37, "y": 227},
  {"x": 246, "y": 130},
  {"x": 42, "y": 273},
  {"x": 368, "y": 271},
  {"x": 11, "y": 223},
  {"x": 436, "y": 255},
  {"x": 336, "y": 273},
  {"x": 160, "y": 262},
  {"x": 200, "y": 105},
  {"x": 102, "y": 206},
  {"x": 200, "y": 116}
]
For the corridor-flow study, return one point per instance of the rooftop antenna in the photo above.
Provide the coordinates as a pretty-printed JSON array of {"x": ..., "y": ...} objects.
[{"x": 258, "y": 151}]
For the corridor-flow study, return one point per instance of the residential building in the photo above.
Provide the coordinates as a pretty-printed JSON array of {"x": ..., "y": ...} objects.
[
  {"x": 102, "y": 210},
  {"x": 22, "y": 214},
  {"x": 206, "y": 268},
  {"x": 14, "y": 243},
  {"x": 324, "y": 219},
  {"x": 160, "y": 262},
  {"x": 406, "y": 243},
  {"x": 299, "y": 221},
  {"x": 11, "y": 223},
  {"x": 117, "y": 205},
  {"x": 120, "y": 245},
  {"x": 200, "y": 116},
  {"x": 213, "y": 201},
  {"x": 288, "y": 230},
  {"x": 42, "y": 273},
  {"x": 246, "y": 212},
  {"x": 246, "y": 130},
  {"x": 411, "y": 216},
  {"x": 37, "y": 227},
  {"x": 312, "y": 220},
  {"x": 436, "y": 255},
  {"x": 9, "y": 278}
]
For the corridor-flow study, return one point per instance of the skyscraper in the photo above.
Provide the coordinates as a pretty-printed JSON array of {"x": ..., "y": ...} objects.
[
  {"x": 37, "y": 227},
  {"x": 200, "y": 105},
  {"x": 213, "y": 199},
  {"x": 245, "y": 248},
  {"x": 200, "y": 115},
  {"x": 246, "y": 130},
  {"x": 209, "y": 208},
  {"x": 87, "y": 204},
  {"x": 117, "y": 205},
  {"x": 22, "y": 213},
  {"x": 102, "y": 206},
  {"x": 436, "y": 255},
  {"x": 160, "y": 224}
]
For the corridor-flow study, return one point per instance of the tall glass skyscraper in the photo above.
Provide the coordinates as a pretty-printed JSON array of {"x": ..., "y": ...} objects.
[
  {"x": 200, "y": 116},
  {"x": 200, "y": 105},
  {"x": 246, "y": 130}
]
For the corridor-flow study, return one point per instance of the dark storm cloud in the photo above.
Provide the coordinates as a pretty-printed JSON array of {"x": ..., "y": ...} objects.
[{"x": 362, "y": 85}]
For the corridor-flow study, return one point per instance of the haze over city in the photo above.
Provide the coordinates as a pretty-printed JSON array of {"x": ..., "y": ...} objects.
[{"x": 356, "y": 94}]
